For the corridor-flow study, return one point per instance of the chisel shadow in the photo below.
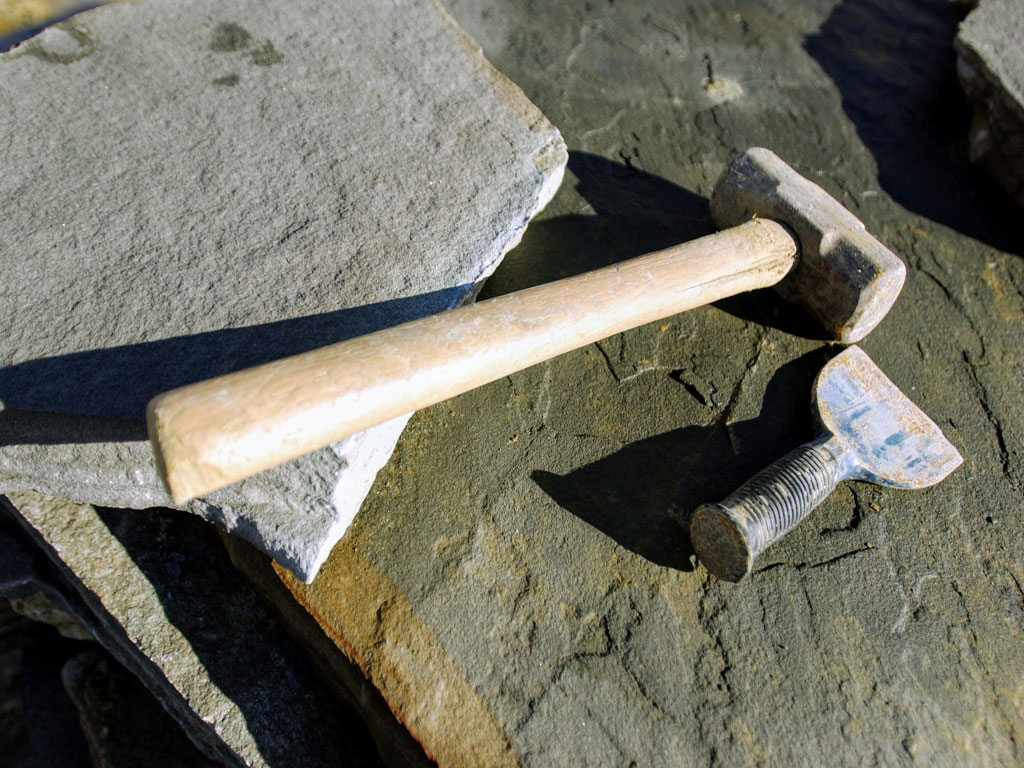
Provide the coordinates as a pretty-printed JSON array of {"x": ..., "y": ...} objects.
[{"x": 643, "y": 495}]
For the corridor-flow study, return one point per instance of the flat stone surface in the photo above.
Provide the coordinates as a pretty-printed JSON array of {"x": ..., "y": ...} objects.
[
  {"x": 196, "y": 187},
  {"x": 990, "y": 48},
  {"x": 158, "y": 592},
  {"x": 519, "y": 583}
]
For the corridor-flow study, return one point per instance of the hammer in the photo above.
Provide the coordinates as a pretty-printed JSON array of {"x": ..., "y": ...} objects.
[
  {"x": 867, "y": 430},
  {"x": 785, "y": 231}
]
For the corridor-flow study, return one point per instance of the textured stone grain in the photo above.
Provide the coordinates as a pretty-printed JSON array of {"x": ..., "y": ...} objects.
[
  {"x": 196, "y": 187},
  {"x": 531, "y": 534}
]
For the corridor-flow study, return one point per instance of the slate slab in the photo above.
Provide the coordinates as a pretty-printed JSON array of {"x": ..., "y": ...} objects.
[
  {"x": 990, "y": 64},
  {"x": 158, "y": 592},
  {"x": 196, "y": 187},
  {"x": 519, "y": 584}
]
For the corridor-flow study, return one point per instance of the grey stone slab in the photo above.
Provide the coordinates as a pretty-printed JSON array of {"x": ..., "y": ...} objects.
[
  {"x": 519, "y": 585},
  {"x": 158, "y": 592},
  {"x": 990, "y": 64},
  {"x": 195, "y": 187}
]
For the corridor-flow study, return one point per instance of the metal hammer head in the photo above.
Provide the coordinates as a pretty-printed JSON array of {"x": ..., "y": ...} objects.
[
  {"x": 887, "y": 438},
  {"x": 844, "y": 277}
]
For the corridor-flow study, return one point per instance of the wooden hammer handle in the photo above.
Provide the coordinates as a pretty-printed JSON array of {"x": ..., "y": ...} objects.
[{"x": 216, "y": 432}]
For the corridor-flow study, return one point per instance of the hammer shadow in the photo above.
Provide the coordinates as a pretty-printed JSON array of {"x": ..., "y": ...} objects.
[
  {"x": 894, "y": 64},
  {"x": 633, "y": 213},
  {"x": 643, "y": 495},
  {"x": 100, "y": 395}
]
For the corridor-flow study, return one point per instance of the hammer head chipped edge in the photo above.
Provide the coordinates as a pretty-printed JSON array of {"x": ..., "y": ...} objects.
[{"x": 844, "y": 277}]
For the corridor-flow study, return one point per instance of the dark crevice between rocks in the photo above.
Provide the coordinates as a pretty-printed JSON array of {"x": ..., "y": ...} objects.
[
  {"x": 183, "y": 557},
  {"x": 52, "y": 733}
]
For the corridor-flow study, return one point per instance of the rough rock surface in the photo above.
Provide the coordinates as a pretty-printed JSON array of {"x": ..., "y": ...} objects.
[
  {"x": 157, "y": 590},
  {"x": 990, "y": 64},
  {"x": 519, "y": 583},
  {"x": 195, "y": 187}
]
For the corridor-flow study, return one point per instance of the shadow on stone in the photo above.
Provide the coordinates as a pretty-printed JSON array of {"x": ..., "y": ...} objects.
[
  {"x": 643, "y": 495},
  {"x": 894, "y": 64},
  {"x": 29, "y": 428},
  {"x": 101, "y": 395},
  {"x": 117, "y": 383},
  {"x": 236, "y": 641},
  {"x": 634, "y": 213}
]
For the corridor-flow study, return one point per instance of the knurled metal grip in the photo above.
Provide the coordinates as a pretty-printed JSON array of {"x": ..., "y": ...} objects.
[
  {"x": 867, "y": 430},
  {"x": 728, "y": 536}
]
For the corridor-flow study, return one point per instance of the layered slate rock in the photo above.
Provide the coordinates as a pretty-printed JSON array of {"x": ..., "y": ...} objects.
[
  {"x": 158, "y": 592},
  {"x": 990, "y": 49},
  {"x": 196, "y": 187},
  {"x": 520, "y": 585}
]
